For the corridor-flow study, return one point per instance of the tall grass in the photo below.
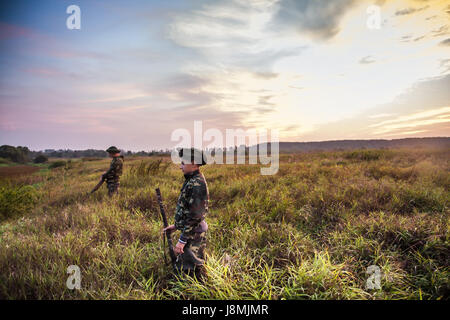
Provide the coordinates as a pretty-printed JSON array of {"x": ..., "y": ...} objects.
[
  {"x": 16, "y": 201},
  {"x": 309, "y": 232}
]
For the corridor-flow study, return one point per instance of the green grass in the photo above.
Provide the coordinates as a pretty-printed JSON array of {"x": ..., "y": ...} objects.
[
  {"x": 5, "y": 162},
  {"x": 309, "y": 232}
]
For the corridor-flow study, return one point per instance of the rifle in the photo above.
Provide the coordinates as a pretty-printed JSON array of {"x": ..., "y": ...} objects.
[
  {"x": 98, "y": 185},
  {"x": 169, "y": 239}
]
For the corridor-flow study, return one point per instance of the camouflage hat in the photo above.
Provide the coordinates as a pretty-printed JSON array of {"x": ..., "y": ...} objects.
[
  {"x": 192, "y": 155},
  {"x": 112, "y": 149}
]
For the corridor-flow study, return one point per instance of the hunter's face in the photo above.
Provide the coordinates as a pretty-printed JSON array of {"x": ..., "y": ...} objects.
[{"x": 188, "y": 167}]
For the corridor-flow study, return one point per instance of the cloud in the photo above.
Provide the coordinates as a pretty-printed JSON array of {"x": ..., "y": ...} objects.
[
  {"x": 445, "y": 64},
  {"x": 43, "y": 45},
  {"x": 11, "y": 31},
  {"x": 236, "y": 51},
  {"x": 296, "y": 65},
  {"x": 367, "y": 60},
  {"x": 319, "y": 18},
  {"x": 442, "y": 31},
  {"x": 431, "y": 93},
  {"x": 381, "y": 115},
  {"x": 445, "y": 42},
  {"x": 380, "y": 3},
  {"x": 53, "y": 73},
  {"x": 232, "y": 34},
  {"x": 266, "y": 75},
  {"x": 413, "y": 121},
  {"x": 409, "y": 11},
  {"x": 418, "y": 38},
  {"x": 423, "y": 109},
  {"x": 264, "y": 100},
  {"x": 216, "y": 25}
]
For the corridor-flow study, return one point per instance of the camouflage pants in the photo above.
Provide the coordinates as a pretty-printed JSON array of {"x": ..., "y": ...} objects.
[
  {"x": 193, "y": 257},
  {"x": 113, "y": 188}
]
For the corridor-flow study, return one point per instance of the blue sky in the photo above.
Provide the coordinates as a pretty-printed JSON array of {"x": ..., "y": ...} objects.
[{"x": 138, "y": 70}]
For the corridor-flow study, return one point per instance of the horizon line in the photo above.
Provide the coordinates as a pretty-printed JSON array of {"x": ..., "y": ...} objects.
[{"x": 320, "y": 141}]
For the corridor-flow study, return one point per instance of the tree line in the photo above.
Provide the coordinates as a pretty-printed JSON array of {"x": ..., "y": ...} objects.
[{"x": 24, "y": 154}]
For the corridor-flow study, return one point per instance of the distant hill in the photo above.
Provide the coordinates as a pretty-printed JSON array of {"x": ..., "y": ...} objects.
[{"x": 438, "y": 142}]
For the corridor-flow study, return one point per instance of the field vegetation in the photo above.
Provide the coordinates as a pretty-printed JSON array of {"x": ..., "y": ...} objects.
[{"x": 309, "y": 232}]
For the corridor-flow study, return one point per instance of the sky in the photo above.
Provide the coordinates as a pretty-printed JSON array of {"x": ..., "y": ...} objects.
[{"x": 136, "y": 71}]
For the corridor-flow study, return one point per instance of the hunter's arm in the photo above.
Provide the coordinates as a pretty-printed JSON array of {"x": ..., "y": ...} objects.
[{"x": 114, "y": 168}]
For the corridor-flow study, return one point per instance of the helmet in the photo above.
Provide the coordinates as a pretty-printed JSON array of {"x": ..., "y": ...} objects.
[
  {"x": 192, "y": 155},
  {"x": 112, "y": 149}
]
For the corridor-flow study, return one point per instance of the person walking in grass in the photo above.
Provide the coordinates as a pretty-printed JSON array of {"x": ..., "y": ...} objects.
[
  {"x": 191, "y": 209},
  {"x": 112, "y": 176}
]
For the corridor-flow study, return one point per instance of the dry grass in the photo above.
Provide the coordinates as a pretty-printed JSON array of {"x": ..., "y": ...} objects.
[
  {"x": 13, "y": 171},
  {"x": 309, "y": 232}
]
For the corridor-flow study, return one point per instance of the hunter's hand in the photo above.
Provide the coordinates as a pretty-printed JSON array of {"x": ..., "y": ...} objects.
[
  {"x": 179, "y": 248},
  {"x": 169, "y": 228}
]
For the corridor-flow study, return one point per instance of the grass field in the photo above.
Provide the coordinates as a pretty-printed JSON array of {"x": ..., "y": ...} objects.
[{"x": 309, "y": 232}]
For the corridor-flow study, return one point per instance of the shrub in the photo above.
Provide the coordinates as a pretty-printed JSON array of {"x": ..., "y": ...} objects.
[
  {"x": 16, "y": 200},
  {"x": 40, "y": 159},
  {"x": 422, "y": 198},
  {"x": 69, "y": 165},
  {"x": 57, "y": 164},
  {"x": 19, "y": 154},
  {"x": 91, "y": 159},
  {"x": 364, "y": 155}
]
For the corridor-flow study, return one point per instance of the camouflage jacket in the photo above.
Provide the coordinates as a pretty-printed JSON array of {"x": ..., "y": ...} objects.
[
  {"x": 192, "y": 206},
  {"x": 115, "y": 170}
]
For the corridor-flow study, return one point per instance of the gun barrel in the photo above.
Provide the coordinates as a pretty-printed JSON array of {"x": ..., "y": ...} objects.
[
  {"x": 98, "y": 186},
  {"x": 161, "y": 207},
  {"x": 164, "y": 217}
]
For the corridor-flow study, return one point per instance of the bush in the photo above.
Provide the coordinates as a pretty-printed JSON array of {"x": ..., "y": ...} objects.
[
  {"x": 364, "y": 155},
  {"x": 16, "y": 201},
  {"x": 57, "y": 164},
  {"x": 40, "y": 159},
  {"x": 91, "y": 159},
  {"x": 19, "y": 154}
]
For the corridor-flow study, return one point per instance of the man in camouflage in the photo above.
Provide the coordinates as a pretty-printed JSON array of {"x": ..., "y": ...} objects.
[
  {"x": 191, "y": 209},
  {"x": 112, "y": 176}
]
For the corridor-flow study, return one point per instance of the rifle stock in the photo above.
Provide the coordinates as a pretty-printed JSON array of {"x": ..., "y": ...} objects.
[{"x": 169, "y": 239}]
